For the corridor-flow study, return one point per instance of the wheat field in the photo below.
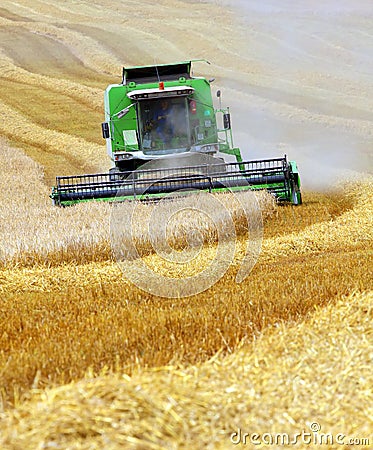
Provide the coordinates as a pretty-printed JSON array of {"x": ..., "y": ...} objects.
[{"x": 88, "y": 360}]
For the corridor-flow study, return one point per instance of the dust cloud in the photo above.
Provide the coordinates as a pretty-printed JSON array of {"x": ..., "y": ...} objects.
[{"x": 305, "y": 87}]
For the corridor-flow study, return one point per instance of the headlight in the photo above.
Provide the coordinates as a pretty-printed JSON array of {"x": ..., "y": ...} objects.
[
  {"x": 210, "y": 148},
  {"x": 123, "y": 156}
]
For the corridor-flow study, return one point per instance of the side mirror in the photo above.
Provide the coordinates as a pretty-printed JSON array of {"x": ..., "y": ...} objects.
[
  {"x": 227, "y": 121},
  {"x": 105, "y": 130}
]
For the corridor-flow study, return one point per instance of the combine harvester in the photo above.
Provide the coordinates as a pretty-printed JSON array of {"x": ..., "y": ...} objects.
[{"x": 165, "y": 115}]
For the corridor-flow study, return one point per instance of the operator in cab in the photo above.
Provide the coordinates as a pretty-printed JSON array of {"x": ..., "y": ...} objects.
[{"x": 163, "y": 121}]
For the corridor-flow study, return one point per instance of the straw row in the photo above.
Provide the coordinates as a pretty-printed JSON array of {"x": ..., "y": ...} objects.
[{"x": 267, "y": 388}]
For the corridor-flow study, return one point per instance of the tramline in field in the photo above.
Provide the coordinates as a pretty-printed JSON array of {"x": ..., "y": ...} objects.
[{"x": 164, "y": 115}]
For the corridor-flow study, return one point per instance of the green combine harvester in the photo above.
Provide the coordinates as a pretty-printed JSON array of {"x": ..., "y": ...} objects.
[{"x": 164, "y": 136}]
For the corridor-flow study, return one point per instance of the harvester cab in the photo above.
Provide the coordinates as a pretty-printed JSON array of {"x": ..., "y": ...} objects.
[
  {"x": 159, "y": 112},
  {"x": 162, "y": 113}
]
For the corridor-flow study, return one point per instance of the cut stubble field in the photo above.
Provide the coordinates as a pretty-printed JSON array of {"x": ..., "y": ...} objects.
[
  {"x": 90, "y": 361},
  {"x": 68, "y": 311}
]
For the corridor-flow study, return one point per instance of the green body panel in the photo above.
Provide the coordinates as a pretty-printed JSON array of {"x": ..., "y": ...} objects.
[
  {"x": 296, "y": 195},
  {"x": 295, "y": 172},
  {"x": 233, "y": 151}
]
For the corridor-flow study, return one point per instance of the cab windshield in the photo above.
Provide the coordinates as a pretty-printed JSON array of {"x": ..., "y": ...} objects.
[{"x": 164, "y": 125}]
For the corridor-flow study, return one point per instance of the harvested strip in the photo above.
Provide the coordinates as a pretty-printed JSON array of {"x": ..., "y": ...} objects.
[
  {"x": 88, "y": 50},
  {"x": 86, "y": 95}
]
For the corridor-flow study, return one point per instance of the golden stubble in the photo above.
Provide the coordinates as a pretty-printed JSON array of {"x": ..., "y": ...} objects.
[
  {"x": 67, "y": 307},
  {"x": 317, "y": 371}
]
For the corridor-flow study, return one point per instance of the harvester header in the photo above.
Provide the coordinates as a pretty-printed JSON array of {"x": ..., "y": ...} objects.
[{"x": 163, "y": 113}]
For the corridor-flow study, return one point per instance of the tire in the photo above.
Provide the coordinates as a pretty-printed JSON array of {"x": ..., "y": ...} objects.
[
  {"x": 296, "y": 196},
  {"x": 299, "y": 198}
]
